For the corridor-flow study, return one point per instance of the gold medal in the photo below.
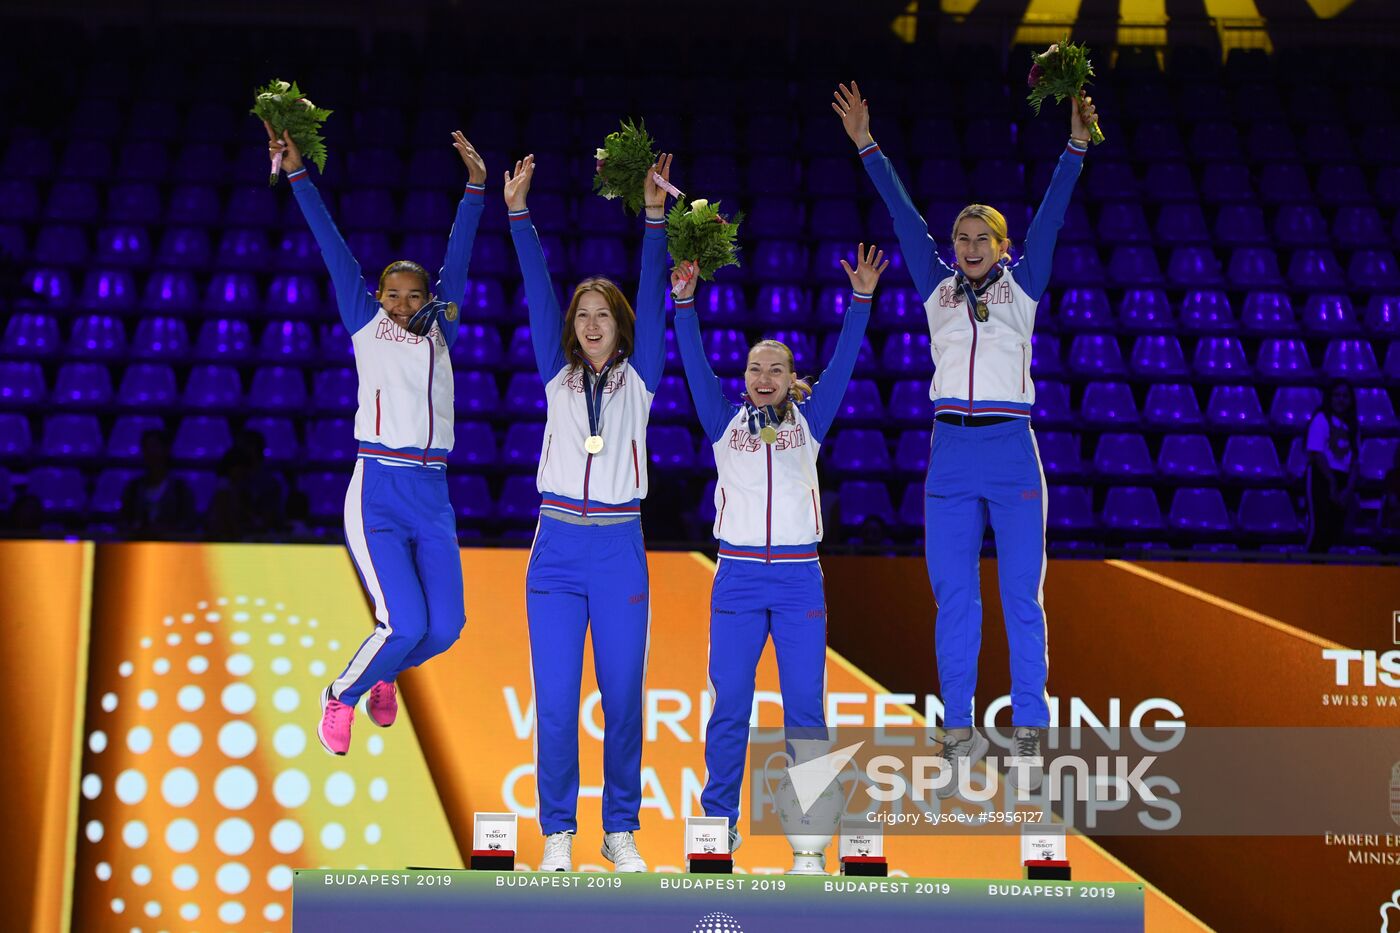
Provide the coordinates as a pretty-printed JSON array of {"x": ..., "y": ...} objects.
[
  {"x": 451, "y": 312},
  {"x": 769, "y": 434},
  {"x": 594, "y": 444},
  {"x": 982, "y": 312}
]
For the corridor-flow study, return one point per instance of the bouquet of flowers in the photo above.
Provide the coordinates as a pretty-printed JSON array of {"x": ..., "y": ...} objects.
[
  {"x": 698, "y": 232},
  {"x": 622, "y": 165},
  {"x": 1061, "y": 71},
  {"x": 283, "y": 106}
]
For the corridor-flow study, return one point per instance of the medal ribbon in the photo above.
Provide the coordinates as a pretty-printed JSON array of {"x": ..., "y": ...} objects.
[
  {"x": 593, "y": 393},
  {"x": 974, "y": 293},
  {"x": 758, "y": 418}
]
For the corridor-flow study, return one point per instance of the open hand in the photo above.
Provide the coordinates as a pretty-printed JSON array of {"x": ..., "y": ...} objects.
[
  {"x": 869, "y": 265},
  {"x": 854, "y": 112},
  {"x": 476, "y": 165},
  {"x": 291, "y": 153},
  {"x": 655, "y": 194},
  {"x": 518, "y": 184}
]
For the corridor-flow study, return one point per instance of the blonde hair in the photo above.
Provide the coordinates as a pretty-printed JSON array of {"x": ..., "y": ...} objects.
[
  {"x": 621, "y": 310},
  {"x": 800, "y": 388},
  {"x": 993, "y": 218}
]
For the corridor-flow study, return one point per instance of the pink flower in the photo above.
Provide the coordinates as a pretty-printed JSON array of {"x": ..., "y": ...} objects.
[
  {"x": 1034, "y": 77},
  {"x": 599, "y": 166}
]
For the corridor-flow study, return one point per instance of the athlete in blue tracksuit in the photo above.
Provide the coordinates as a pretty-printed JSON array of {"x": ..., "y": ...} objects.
[
  {"x": 601, "y": 364},
  {"x": 399, "y": 525},
  {"x": 983, "y": 461},
  {"x": 768, "y": 522}
]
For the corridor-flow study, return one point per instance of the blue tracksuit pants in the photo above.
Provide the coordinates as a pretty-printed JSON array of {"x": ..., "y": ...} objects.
[
  {"x": 582, "y": 577},
  {"x": 749, "y": 602},
  {"x": 402, "y": 536},
  {"x": 976, "y": 474}
]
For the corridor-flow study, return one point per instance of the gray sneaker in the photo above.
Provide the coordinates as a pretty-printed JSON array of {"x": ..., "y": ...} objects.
[
  {"x": 735, "y": 840},
  {"x": 1025, "y": 746},
  {"x": 961, "y": 755}
]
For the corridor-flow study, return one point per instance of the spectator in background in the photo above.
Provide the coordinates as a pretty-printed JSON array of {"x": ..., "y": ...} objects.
[
  {"x": 248, "y": 501},
  {"x": 1332, "y": 467},
  {"x": 157, "y": 504},
  {"x": 1390, "y": 499}
]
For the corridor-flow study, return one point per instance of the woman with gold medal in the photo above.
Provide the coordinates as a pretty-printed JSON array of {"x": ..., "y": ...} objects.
[
  {"x": 768, "y": 523},
  {"x": 601, "y": 363},
  {"x": 983, "y": 461}
]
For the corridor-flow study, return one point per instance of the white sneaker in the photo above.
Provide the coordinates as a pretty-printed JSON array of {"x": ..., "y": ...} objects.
[
  {"x": 621, "y": 850},
  {"x": 558, "y": 852},
  {"x": 735, "y": 840},
  {"x": 961, "y": 755},
  {"x": 1026, "y": 745}
]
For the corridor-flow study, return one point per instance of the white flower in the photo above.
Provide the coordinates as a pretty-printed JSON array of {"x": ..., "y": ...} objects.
[
  {"x": 610, "y": 195},
  {"x": 267, "y": 95},
  {"x": 697, "y": 204},
  {"x": 281, "y": 86},
  {"x": 306, "y": 103},
  {"x": 600, "y": 154}
]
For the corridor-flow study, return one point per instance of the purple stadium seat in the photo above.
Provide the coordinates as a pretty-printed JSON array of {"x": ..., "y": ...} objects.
[
  {"x": 484, "y": 301},
  {"x": 834, "y": 214},
  {"x": 778, "y": 261},
  {"x": 1272, "y": 142},
  {"x": 826, "y": 262},
  {"x": 201, "y": 438},
  {"x": 1268, "y": 313},
  {"x": 722, "y": 303},
  {"x": 1207, "y": 311},
  {"x": 1192, "y": 266},
  {"x": 719, "y": 171},
  {"x": 29, "y": 335},
  {"x": 374, "y": 209},
  {"x": 1096, "y": 355},
  {"x": 476, "y": 392},
  {"x": 201, "y": 163},
  {"x": 525, "y": 396},
  {"x": 998, "y": 180},
  {"x": 242, "y": 250},
  {"x": 1234, "y": 407},
  {"x": 896, "y": 309},
  {"x": 194, "y": 206},
  {"x": 1169, "y": 181},
  {"x": 478, "y": 346},
  {"x": 124, "y": 443},
  {"x": 1315, "y": 270},
  {"x": 727, "y": 350},
  {"x": 1240, "y": 225},
  {"x": 1373, "y": 270},
  {"x": 49, "y": 287},
  {"x": 22, "y": 384},
  {"x": 1171, "y": 405},
  {"x": 1046, "y": 357},
  {"x": 1131, "y": 508},
  {"x": 82, "y": 385},
  {"x": 331, "y": 440},
  {"x": 107, "y": 290},
  {"x": 280, "y": 443},
  {"x": 778, "y": 217},
  {"x": 1377, "y": 457},
  {"x": 19, "y": 200},
  {"x": 232, "y": 293},
  {"x": 595, "y": 215},
  {"x": 14, "y": 242},
  {"x": 782, "y": 306},
  {"x": 1357, "y": 226},
  {"x": 1071, "y": 508},
  {"x": 1123, "y": 455},
  {"x": 222, "y": 339},
  {"x": 669, "y": 447},
  {"x": 1342, "y": 184},
  {"x": 1084, "y": 309},
  {"x": 434, "y": 169},
  {"x": 70, "y": 437},
  {"x": 1181, "y": 224},
  {"x": 1158, "y": 356},
  {"x": 1227, "y": 183},
  {"x": 1284, "y": 358},
  {"x": 160, "y": 338},
  {"x": 1374, "y": 411},
  {"x": 287, "y": 342},
  {"x": 1199, "y": 510},
  {"x": 1077, "y": 228},
  {"x": 147, "y": 385},
  {"x": 1254, "y": 267},
  {"x": 910, "y": 404},
  {"x": 1111, "y": 181},
  {"x": 1329, "y": 315},
  {"x": 213, "y": 386},
  {"x": 61, "y": 245},
  {"x": 911, "y": 451},
  {"x": 71, "y": 202},
  {"x": 903, "y": 354},
  {"x": 473, "y": 445},
  {"x": 1187, "y": 456},
  {"x": 602, "y": 255},
  {"x": 108, "y": 490},
  {"x": 1383, "y": 315},
  {"x": 184, "y": 248},
  {"x": 15, "y": 436},
  {"x": 1251, "y": 457},
  {"x": 170, "y": 293},
  {"x": 861, "y": 500},
  {"x": 1108, "y": 403},
  {"x": 830, "y": 176},
  {"x": 672, "y": 402},
  {"x": 1220, "y": 358},
  {"x": 1392, "y": 361},
  {"x": 470, "y": 496},
  {"x": 1123, "y": 222},
  {"x": 519, "y": 501},
  {"x": 520, "y": 353},
  {"x": 277, "y": 388},
  {"x": 803, "y": 347},
  {"x": 28, "y": 156},
  {"x": 1145, "y": 310},
  {"x": 1293, "y": 406},
  {"x": 134, "y": 203},
  {"x": 335, "y": 389},
  {"x": 1051, "y": 404},
  {"x": 859, "y": 451},
  {"x": 771, "y": 173},
  {"x": 1076, "y": 265},
  {"x": 1134, "y": 266},
  {"x": 1284, "y": 183},
  {"x": 1268, "y": 512},
  {"x": 325, "y": 493},
  {"x": 60, "y": 490},
  {"x": 1059, "y": 453},
  {"x": 1351, "y": 359}
]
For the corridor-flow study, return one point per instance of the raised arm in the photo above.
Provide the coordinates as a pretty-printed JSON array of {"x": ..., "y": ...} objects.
[
  {"x": 649, "y": 350},
  {"x": 920, "y": 254},
  {"x": 826, "y": 397},
  {"x": 546, "y": 318},
  {"x": 714, "y": 409},
  {"x": 452, "y": 279},
  {"x": 1032, "y": 272},
  {"x": 352, "y": 295}
]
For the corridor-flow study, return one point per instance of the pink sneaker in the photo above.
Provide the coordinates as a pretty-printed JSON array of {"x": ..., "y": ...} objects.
[
  {"x": 336, "y": 719},
  {"x": 383, "y": 705}
]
